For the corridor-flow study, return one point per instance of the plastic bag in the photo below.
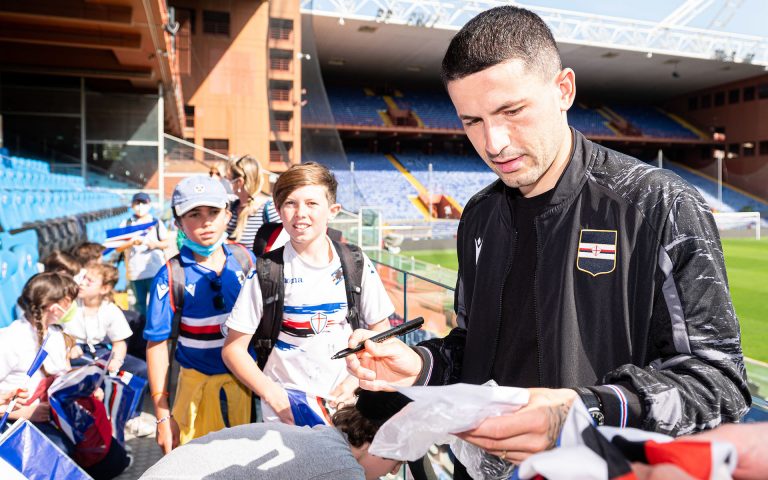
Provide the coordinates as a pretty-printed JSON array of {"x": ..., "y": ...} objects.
[{"x": 437, "y": 412}]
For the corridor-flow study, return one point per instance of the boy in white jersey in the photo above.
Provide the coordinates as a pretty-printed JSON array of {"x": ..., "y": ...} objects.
[{"x": 314, "y": 324}]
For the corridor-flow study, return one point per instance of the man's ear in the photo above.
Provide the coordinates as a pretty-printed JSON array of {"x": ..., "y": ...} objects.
[{"x": 566, "y": 84}]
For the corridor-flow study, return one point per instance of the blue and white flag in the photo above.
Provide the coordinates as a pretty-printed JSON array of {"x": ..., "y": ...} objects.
[
  {"x": 118, "y": 236},
  {"x": 70, "y": 416},
  {"x": 36, "y": 364},
  {"x": 26, "y": 450},
  {"x": 309, "y": 410},
  {"x": 122, "y": 394}
]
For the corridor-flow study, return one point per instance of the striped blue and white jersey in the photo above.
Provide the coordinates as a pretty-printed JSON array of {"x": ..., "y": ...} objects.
[{"x": 200, "y": 336}]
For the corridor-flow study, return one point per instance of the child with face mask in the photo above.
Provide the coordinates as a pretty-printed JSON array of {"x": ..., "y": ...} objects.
[
  {"x": 208, "y": 397},
  {"x": 143, "y": 255},
  {"x": 47, "y": 301}
]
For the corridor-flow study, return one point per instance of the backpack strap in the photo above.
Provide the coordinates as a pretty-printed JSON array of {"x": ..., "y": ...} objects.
[
  {"x": 242, "y": 256},
  {"x": 269, "y": 268},
  {"x": 352, "y": 266},
  {"x": 176, "y": 281},
  {"x": 265, "y": 237}
]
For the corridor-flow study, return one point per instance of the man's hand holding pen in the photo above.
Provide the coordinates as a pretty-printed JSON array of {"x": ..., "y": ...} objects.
[{"x": 380, "y": 365}]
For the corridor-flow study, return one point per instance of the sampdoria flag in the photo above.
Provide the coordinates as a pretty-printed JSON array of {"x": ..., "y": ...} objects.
[
  {"x": 36, "y": 364},
  {"x": 63, "y": 394},
  {"x": 26, "y": 450},
  {"x": 587, "y": 452},
  {"x": 309, "y": 410},
  {"x": 120, "y": 235},
  {"x": 122, "y": 394}
]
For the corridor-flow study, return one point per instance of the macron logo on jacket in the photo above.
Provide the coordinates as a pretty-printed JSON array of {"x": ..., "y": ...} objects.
[{"x": 478, "y": 246}]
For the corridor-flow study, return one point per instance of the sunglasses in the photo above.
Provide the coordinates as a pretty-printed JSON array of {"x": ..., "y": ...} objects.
[{"x": 218, "y": 299}]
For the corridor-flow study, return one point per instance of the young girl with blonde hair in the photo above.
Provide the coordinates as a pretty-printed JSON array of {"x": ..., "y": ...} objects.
[{"x": 252, "y": 208}]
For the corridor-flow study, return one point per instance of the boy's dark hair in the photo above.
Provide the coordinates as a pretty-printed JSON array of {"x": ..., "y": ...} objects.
[
  {"x": 361, "y": 421},
  {"x": 88, "y": 252},
  {"x": 62, "y": 262},
  {"x": 496, "y": 36}
]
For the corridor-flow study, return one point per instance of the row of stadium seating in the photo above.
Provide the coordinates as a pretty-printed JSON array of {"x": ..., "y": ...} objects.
[
  {"x": 18, "y": 262},
  {"x": 355, "y": 106},
  {"x": 377, "y": 183},
  {"x": 455, "y": 175},
  {"x": 733, "y": 200},
  {"x": 653, "y": 122},
  {"x": 41, "y": 212},
  {"x": 434, "y": 108}
]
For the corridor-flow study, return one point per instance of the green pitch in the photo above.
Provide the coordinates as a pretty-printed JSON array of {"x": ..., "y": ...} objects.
[{"x": 747, "y": 264}]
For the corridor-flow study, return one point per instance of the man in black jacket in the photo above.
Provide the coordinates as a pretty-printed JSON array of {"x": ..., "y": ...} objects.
[{"x": 582, "y": 272}]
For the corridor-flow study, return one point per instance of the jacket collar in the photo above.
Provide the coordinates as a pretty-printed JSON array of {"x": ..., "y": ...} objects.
[
  {"x": 575, "y": 174},
  {"x": 583, "y": 153}
]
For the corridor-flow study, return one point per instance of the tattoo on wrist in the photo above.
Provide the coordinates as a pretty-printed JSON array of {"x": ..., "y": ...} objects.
[{"x": 556, "y": 416}]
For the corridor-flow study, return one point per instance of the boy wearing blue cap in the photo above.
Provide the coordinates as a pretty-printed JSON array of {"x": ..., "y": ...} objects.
[
  {"x": 193, "y": 295},
  {"x": 144, "y": 254}
]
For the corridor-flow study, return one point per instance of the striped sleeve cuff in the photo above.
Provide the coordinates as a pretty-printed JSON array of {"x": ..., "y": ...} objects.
[
  {"x": 622, "y": 407},
  {"x": 426, "y": 365}
]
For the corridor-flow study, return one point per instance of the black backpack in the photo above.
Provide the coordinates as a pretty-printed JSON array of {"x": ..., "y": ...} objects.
[{"x": 269, "y": 268}]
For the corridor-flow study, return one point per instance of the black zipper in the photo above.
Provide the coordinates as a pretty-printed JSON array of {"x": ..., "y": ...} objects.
[
  {"x": 501, "y": 299},
  {"x": 536, "y": 306}
]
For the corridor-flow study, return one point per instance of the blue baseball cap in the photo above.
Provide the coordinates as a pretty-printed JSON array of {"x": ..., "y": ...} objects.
[
  {"x": 141, "y": 197},
  {"x": 197, "y": 191}
]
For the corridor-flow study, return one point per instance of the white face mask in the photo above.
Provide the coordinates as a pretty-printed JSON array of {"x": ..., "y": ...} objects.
[{"x": 141, "y": 209}]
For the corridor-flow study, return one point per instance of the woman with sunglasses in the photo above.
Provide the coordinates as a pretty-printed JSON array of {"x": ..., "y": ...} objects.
[
  {"x": 252, "y": 208},
  {"x": 208, "y": 397}
]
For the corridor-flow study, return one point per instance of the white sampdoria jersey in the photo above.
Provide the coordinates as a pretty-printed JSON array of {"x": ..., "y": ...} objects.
[{"x": 314, "y": 321}]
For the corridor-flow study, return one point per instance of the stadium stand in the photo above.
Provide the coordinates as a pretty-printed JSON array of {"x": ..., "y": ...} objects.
[
  {"x": 733, "y": 200},
  {"x": 371, "y": 172},
  {"x": 352, "y": 106},
  {"x": 589, "y": 122},
  {"x": 433, "y": 107},
  {"x": 41, "y": 212},
  {"x": 456, "y": 175},
  {"x": 653, "y": 122}
]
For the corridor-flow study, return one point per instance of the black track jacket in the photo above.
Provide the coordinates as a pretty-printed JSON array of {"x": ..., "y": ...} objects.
[{"x": 630, "y": 291}]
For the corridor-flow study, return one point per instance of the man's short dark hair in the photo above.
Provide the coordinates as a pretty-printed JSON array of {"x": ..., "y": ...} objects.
[{"x": 498, "y": 35}]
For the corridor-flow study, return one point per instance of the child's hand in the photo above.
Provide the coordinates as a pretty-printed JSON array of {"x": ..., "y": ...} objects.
[
  {"x": 21, "y": 396},
  {"x": 167, "y": 435},
  {"x": 278, "y": 400},
  {"x": 115, "y": 365},
  {"x": 37, "y": 412},
  {"x": 344, "y": 392},
  {"x": 75, "y": 352},
  {"x": 99, "y": 394}
]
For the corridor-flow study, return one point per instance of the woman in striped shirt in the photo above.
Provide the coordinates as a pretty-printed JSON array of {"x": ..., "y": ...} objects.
[{"x": 252, "y": 208}]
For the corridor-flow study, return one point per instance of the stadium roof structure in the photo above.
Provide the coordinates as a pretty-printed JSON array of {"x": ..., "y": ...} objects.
[
  {"x": 123, "y": 41},
  {"x": 612, "y": 56}
]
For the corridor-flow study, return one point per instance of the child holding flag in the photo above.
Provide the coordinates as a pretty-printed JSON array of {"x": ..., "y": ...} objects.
[
  {"x": 143, "y": 248},
  {"x": 46, "y": 301}
]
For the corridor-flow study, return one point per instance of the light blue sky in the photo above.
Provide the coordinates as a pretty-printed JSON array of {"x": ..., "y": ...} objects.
[{"x": 751, "y": 18}]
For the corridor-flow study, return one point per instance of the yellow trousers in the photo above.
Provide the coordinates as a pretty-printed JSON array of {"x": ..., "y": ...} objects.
[{"x": 207, "y": 403}]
